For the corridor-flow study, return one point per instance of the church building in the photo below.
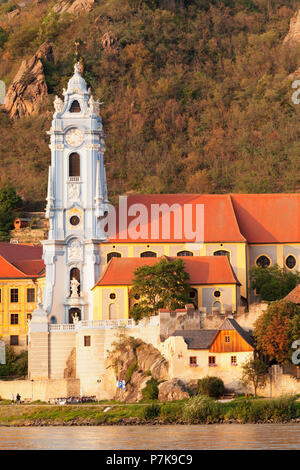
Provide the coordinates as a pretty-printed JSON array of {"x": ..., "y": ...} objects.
[{"x": 84, "y": 272}]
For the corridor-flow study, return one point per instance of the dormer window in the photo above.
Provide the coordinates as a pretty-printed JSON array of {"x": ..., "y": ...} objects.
[{"x": 75, "y": 107}]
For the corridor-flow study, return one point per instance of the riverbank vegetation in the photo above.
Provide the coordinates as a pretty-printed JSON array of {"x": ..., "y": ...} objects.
[{"x": 196, "y": 410}]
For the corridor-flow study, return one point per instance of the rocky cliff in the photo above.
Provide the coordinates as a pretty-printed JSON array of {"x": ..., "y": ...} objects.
[
  {"x": 137, "y": 363},
  {"x": 77, "y": 7},
  {"x": 293, "y": 36},
  {"x": 28, "y": 90}
]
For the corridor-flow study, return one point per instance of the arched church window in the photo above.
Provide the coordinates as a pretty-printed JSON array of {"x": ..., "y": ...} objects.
[
  {"x": 75, "y": 107},
  {"x": 112, "y": 254},
  {"x": 74, "y": 164},
  {"x": 148, "y": 254},
  {"x": 185, "y": 253},
  {"x": 75, "y": 274},
  {"x": 222, "y": 253}
]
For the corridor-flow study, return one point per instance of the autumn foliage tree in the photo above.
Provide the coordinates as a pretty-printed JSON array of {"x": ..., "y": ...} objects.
[{"x": 276, "y": 329}]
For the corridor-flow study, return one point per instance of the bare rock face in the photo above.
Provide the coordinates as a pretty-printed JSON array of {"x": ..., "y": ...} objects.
[
  {"x": 136, "y": 362},
  {"x": 29, "y": 90},
  {"x": 293, "y": 36},
  {"x": 171, "y": 390},
  {"x": 12, "y": 14},
  {"x": 77, "y": 7},
  {"x": 109, "y": 42}
]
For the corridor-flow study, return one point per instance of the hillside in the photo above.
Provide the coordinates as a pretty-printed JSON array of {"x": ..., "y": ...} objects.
[{"x": 195, "y": 92}]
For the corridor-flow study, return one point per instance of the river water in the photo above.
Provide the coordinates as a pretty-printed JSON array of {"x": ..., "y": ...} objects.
[{"x": 180, "y": 437}]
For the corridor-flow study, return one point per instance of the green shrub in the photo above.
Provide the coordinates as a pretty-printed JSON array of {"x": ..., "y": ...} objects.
[
  {"x": 130, "y": 371},
  {"x": 151, "y": 412},
  {"x": 171, "y": 411},
  {"x": 255, "y": 411},
  {"x": 150, "y": 392},
  {"x": 201, "y": 409},
  {"x": 211, "y": 387}
]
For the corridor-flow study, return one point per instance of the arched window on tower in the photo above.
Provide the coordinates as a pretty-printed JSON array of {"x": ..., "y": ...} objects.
[
  {"x": 75, "y": 107},
  {"x": 75, "y": 274},
  {"x": 74, "y": 165}
]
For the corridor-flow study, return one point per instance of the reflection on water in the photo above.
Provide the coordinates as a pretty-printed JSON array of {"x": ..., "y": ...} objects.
[{"x": 224, "y": 436}]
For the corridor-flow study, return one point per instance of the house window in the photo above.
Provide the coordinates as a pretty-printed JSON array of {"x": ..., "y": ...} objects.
[
  {"x": 75, "y": 107},
  {"x": 14, "y": 340},
  {"x": 263, "y": 261},
  {"x": 74, "y": 164},
  {"x": 211, "y": 360},
  {"x": 30, "y": 295},
  {"x": 111, "y": 255},
  {"x": 87, "y": 340},
  {"x": 290, "y": 262},
  {"x": 148, "y": 254},
  {"x": 14, "y": 319},
  {"x": 227, "y": 339},
  {"x": 14, "y": 295},
  {"x": 193, "y": 361},
  {"x": 233, "y": 361},
  {"x": 185, "y": 253}
]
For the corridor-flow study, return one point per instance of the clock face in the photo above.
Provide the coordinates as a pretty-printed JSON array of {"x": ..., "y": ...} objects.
[{"x": 74, "y": 137}]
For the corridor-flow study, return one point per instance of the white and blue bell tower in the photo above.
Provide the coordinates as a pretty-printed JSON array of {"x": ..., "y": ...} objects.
[{"x": 76, "y": 201}]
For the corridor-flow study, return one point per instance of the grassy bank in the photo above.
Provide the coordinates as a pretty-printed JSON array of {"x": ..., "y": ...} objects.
[{"x": 197, "y": 410}]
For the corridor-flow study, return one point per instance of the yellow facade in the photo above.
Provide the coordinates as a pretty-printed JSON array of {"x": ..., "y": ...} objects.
[
  {"x": 16, "y": 326},
  {"x": 102, "y": 302}
]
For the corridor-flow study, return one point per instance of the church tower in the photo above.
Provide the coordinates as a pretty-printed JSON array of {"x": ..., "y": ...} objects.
[{"x": 76, "y": 200}]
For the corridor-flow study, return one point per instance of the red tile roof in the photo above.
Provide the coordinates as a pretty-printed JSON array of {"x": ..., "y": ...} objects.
[
  {"x": 219, "y": 217},
  {"x": 257, "y": 218},
  {"x": 21, "y": 261},
  {"x": 268, "y": 218},
  {"x": 294, "y": 295},
  {"x": 202, "y": 270}
]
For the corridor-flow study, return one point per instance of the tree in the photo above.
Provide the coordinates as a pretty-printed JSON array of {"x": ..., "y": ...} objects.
[
  {"x": 9, "y": 202},
  {"x": 162, "y": 285},
  {"x": 276, "y": 329},
  {"x": 254, "y": 373},
  {"x": 273, "y": 283}
]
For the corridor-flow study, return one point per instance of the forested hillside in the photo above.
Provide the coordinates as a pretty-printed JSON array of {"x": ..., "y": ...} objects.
[{"x": 195, "y": 93}]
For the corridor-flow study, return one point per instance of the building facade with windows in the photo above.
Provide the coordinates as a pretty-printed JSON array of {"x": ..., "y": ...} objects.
[
  {"x": 194, "y": 354},
  {"x": 22, "y": 274}
]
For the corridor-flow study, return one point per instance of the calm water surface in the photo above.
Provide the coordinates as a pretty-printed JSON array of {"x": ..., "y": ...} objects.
[{"x": 224, "y": 436}]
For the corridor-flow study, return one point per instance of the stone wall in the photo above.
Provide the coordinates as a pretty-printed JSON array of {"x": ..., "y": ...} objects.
[
  {"x": 43, "y": 390},
  {"x": 279, "y": 384}
]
